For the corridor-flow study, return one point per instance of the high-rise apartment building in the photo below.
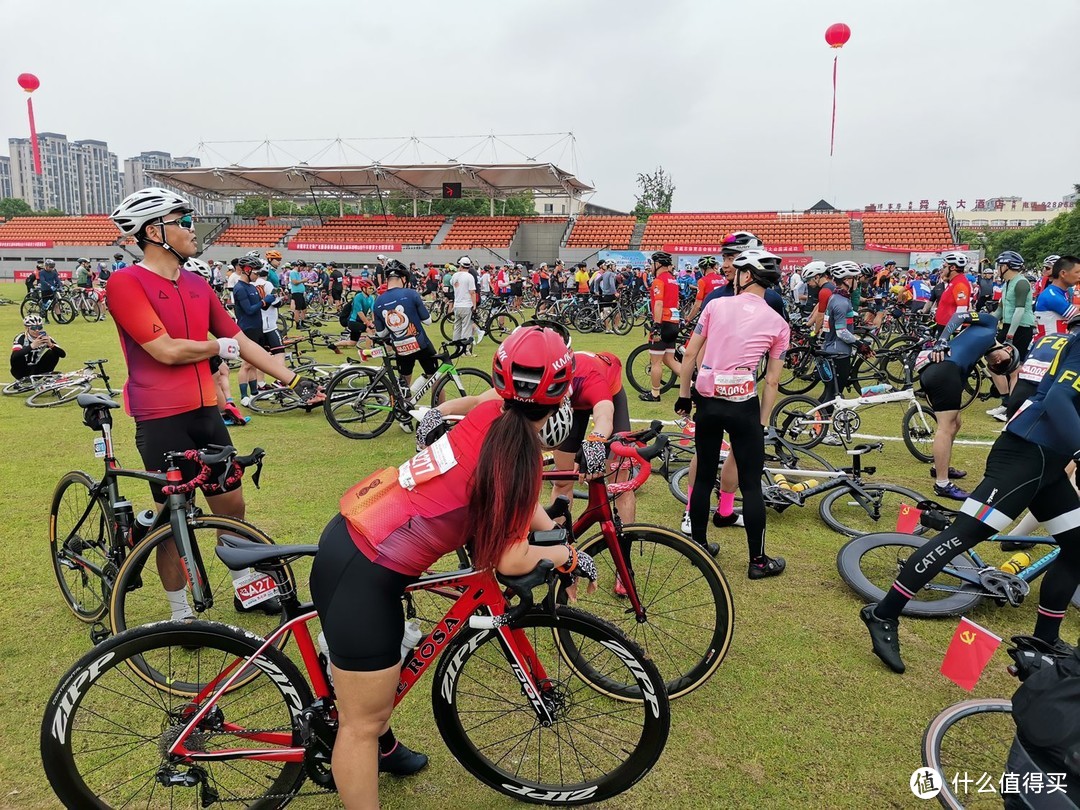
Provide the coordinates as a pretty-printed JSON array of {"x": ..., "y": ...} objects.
[
  {"x": 5, "y": 177},
  {"x": 99, "y": 177},
  {"x": 78, "y": 178}
]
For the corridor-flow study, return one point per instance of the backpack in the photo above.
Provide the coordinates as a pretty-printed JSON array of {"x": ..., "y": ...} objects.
[{"x": 1046, "y": 710}]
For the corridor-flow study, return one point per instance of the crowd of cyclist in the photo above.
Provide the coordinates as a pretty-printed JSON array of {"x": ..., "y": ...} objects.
[{"x": 479, "y": 483}]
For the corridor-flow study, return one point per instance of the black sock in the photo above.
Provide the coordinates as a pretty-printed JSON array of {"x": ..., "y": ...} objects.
[{"x": 387, "y": 742}]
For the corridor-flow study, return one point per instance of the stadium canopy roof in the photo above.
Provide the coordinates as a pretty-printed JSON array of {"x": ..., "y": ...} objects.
[{"x": 419, "y": 181}]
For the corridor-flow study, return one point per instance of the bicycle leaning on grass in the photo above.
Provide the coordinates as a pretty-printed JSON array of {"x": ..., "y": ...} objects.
[{"x": 513, "y": 698}]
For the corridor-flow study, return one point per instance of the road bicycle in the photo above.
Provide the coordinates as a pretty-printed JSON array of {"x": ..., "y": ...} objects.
[
  {"x": 852, "y": 505},
  {"x": 973, "y": 744},
  {"x": 804, "y": 421},
  {"x": 493, "y": 319},
  {"x": 90, "y": 303},
  {"x": 363, "y": 401},
  {"x": 59, "y": 307},
  {"x": 103, "y": 557},
  {"x": 592, "y": 316},
  {"x": 508, "y": 698},
  {"x": 869, "y": 565},
  {"x": 639, "y": 362},
  {"x": 58, "y": 389}
]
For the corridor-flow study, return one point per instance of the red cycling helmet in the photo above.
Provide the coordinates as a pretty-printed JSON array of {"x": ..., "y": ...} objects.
[{"x": 533, "y": 365}]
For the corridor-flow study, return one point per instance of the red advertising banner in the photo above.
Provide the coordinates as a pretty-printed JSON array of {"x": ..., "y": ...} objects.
[
  {"x": 795, "y": 262},
  {"x": 704, "y": 250},
  {"x": 22, "y": 274},
  {"x": 343, "y": 247},
  {"x": 6, "y": 244}
]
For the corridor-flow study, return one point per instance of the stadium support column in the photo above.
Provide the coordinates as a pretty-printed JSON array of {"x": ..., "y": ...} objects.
[{"x": 492, "y": 207}]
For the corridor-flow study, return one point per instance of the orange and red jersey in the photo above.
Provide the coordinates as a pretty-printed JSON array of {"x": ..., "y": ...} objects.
[
  {"x": 146, "y": 306},
  {"x": 666, "y": 290},
  {"x": 597, "y": 377},
  {"x": 955, "y": 297},
  {"x": 708, "y": 283}
]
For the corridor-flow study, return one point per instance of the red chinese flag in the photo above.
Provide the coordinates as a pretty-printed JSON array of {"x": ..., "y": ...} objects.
[
  {"x": 969, "y": 652},
  {"x": 908, "y": 519}
]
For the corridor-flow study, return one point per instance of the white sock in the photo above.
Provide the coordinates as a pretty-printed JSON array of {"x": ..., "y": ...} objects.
[
  {"x": 944, "y": 483},
  {"x": 236, "y": 575},
  {"x": 178, "y": 604}
]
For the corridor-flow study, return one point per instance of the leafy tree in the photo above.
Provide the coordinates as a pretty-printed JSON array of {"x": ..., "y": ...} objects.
[
  {"x": 657, "y": 189},
  {"x": 1061, "y": 235},
  {"x": 14, "y": 207}
]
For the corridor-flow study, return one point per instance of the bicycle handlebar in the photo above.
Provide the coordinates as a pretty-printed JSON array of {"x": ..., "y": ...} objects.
[{"x": 213, "y": 454}]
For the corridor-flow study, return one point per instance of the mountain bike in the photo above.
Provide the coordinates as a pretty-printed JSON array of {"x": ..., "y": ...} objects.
[
  {"x": 851, "y": 506},
  {"x": 507, "y": 694},
  {"x": 804, "y": 421},
  {"x": 100, "y": 551},
  {"x": 869, "y": 565},
  {"x": 60, "y": 388},
  {"x": 672, "y": 597},
  {"x": 492, "y": 318},
  {"x": 363, "y": 401}
]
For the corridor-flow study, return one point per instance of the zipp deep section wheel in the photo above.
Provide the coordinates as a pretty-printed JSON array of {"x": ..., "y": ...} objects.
[
  {"x": 105, "y": 733},
  {"x": 597, "y": 747},
  {"x": 79, "y": 547},
  {"x": 689, "y": 612},
  {"x": 869, "y": 565}
]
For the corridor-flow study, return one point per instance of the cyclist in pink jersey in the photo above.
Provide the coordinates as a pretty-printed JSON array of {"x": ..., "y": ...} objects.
[
  {"x": 480, "y": 483},
  {"x": 732, "y": 335},
  {"x": 164, "y": 315}
]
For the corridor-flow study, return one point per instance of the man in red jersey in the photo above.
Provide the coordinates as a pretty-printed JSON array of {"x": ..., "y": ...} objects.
[
  {"x": 164, "y": 315},
  {"x": 711, "y": 279},
  {"x": 956, "y": 297},
  {"x": 664, "y": 303}
]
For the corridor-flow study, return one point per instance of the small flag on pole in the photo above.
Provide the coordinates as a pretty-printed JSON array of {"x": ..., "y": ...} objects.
[
  {"x": 969, "y": 652},
  {"x": 908, "y": 519}
]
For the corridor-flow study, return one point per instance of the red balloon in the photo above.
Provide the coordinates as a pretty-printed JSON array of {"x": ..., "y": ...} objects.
[
  {"x": 837, "y": 35},
  {"x": 29, "y": 82}
]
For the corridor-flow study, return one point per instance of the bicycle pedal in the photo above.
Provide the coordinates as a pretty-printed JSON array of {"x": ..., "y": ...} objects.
[{"x": 98, "y": 633}]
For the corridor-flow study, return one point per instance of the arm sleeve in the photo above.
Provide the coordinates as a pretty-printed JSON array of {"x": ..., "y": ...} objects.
[
  {"x": 837, "y": 311},
  {"x": 245, "y": 297},
  {"x": 131, "y": 310},
  {"x": 1022, "y": 300},
  {"x": 957, "y": 320}
]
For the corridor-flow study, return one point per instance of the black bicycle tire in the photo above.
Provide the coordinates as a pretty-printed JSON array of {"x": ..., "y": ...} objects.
[
  {"x": 850, "y": 555},
  {"x": 794, "y": 384},
  {"x": 335, "y": 398},
  {"x": 644, "y": 756},
  {"x": 615, "y": 611},
  {"x": 448, "y": 380},
  {"x": 258, "y": 403},
  {"x": 62, "y": 305},
  {"x": 129, "y": 578},
  {"x": 74, "y": 389},
  {"x": 28, "y": 306},
  {"x": 72, "y": 478},
  {"x": 825, "y": 507},
  {"x": 939, "y": 726},
  {"x": 501, "y": 333},
  {"x": 909, "y": 435},
  {"x": 446, "y": 325},
  {"x": 626, "y": 321},
  {"x": 781, "y": 410},
  {"x": 62, "y": 707},
  {"x": 667, "y": 382}
]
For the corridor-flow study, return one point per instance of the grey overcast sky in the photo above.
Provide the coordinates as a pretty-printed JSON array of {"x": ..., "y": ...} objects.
[{"x": 938, "y": 99}]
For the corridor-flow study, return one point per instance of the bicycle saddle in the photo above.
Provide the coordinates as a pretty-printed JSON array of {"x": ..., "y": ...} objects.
[
  {"x": 96, "y": 401},
  {"x": 239, "y": 554}
]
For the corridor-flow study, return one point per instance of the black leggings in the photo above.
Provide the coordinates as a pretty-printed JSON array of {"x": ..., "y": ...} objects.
[
  {"x": 841, "y": 370},
  {"x": 1019, "y": 475},
  {"x": 742, "y": 422}
]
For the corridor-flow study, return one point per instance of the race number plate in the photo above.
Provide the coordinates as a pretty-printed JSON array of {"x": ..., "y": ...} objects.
[{"x": 254, "y": 588}]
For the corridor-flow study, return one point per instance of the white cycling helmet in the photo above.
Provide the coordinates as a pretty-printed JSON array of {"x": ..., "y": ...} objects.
[
  {"x": 556, "y": 429},
  {"x": 845, "y": 269},
  {"x": 464, "y": 261},
  {"x": 145, "y": 206},
  {"x": 200, "y": 267},
  {"x": 956, "y": 259},
  {"x": 1050, "y": 260},
  {"x": 813, "y": 270}
]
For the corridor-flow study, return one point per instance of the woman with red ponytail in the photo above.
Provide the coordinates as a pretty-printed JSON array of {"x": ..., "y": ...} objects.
[{"x": 480, "y": 484}]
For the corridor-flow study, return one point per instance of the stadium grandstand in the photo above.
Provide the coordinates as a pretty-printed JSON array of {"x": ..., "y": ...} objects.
[{"x": 820, "y": 232}]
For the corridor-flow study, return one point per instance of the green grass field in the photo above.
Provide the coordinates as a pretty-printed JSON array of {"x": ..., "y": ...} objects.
[{"x": 800, "y": 714}]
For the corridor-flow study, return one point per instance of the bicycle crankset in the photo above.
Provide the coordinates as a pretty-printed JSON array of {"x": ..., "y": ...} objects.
[
  {"x": 1003, "y": 586},
  {"x": 846, "y": 422}
]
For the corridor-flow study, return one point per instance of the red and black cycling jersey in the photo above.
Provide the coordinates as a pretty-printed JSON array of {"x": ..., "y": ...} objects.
[
  {"x": 665, "y": 290},
  {"x": 597, "y": 378},
  {"x": 146, "y": 306}
]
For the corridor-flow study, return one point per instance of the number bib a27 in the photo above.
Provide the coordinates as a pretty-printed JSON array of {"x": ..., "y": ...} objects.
[{"x": 425, "y": 465}]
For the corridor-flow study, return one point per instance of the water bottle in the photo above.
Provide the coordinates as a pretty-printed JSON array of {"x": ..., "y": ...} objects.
[
  {"x": 325, "y": 650},
  {"x": 143, "y": 521},
  {"x": 417, "y": 384},
  {"x": 880, "y": 388},
  {"x": 809, "y": 483},
  {"x": 410, "y": 639},
  {"x": 1016, "y": 563},
  {"x": 781, "y": 482}
]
